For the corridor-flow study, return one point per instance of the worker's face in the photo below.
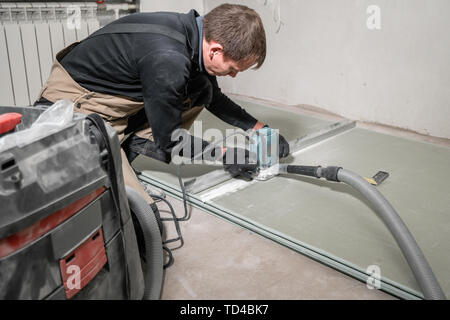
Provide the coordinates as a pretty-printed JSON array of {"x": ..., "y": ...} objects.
[{"x": 217, "y": 64}]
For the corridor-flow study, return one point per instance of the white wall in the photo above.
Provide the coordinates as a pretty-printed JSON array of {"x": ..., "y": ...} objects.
[{"x": 322, "y": 54}]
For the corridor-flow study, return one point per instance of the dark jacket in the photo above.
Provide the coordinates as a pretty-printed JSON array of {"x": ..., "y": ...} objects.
[{"x": 155, "y": 69}]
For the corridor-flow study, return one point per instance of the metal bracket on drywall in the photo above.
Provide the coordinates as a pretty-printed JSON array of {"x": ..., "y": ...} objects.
[
  {"x": 207, "y": 181},
  {"x": 319, "y": 136},
  {"x": 216, "y": 177}
]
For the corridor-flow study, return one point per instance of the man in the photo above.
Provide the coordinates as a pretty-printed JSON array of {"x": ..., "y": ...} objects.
[{"x": 148, "y": 74}]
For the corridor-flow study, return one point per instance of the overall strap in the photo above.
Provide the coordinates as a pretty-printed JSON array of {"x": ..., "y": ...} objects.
[{"x": 141, "y": 28}]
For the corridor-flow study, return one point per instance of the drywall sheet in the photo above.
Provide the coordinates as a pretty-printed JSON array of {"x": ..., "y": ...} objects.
[
  {"x": 333, "y": 219},
  {"x": 291, "y": 126},
  {"x": 167, "y": 173}
]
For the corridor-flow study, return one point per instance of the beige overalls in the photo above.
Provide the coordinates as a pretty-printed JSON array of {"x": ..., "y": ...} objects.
[{"x": 115, "y": 110}]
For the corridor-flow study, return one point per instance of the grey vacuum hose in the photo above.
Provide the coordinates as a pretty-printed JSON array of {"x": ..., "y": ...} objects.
[
  {"x": 153, "y": 244},
  {"x": 414, "y": 256},
  {"x": 416, "y": 260}
]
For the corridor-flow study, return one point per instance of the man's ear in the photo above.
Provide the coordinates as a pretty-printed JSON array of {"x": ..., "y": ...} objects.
[{"x": 214, "y": 48}]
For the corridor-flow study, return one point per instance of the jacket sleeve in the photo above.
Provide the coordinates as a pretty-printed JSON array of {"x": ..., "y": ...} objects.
[
  {"x": 225, "y": 109},
  {"x": 164, "y": 75}
]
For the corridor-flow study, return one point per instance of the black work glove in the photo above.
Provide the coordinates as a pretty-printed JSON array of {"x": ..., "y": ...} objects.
[
  {"x": 239, "y": 162},
  {"x": 283, "y": 147}
]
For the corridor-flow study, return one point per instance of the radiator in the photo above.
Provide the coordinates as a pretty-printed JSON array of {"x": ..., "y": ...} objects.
[{"x": 30, "y": 36}]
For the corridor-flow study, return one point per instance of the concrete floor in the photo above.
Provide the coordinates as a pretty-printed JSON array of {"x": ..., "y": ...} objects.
[{"x": 220, "y": 260}]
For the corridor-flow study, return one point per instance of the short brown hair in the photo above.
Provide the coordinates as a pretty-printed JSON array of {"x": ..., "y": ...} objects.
[{"x": 239, "y": 30}]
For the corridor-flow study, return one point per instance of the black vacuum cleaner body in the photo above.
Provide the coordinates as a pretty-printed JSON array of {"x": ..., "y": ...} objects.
[{"x": 65, "y": 225}]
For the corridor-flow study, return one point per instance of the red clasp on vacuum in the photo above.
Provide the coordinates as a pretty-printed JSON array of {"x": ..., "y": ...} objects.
[{"x": 8, "y": 121}]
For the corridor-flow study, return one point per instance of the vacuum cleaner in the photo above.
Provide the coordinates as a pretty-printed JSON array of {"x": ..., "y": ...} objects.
[{"x": 68, "y": 223}]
